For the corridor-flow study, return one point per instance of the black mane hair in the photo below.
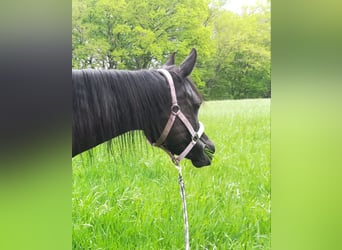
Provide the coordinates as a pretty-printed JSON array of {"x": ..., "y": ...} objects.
[{"x": 108, "y": 103}]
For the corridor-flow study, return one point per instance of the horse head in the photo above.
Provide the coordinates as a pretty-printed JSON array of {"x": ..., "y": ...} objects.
[{"x": 185, "y": 136}]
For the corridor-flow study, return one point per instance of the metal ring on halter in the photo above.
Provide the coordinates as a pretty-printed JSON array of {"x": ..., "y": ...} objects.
[
  {"x": 175, "y": 109},
  {"x": 195, "y": 138}
]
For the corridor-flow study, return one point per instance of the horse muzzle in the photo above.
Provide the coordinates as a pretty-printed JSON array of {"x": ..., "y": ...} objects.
[{"x": 202, "y": 154}]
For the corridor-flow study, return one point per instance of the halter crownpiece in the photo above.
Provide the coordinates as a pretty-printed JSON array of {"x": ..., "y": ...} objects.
[{"x": 176, "y": 112}]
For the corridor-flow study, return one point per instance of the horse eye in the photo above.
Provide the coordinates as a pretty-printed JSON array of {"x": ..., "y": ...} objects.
[{"x": 197, "y": 105}]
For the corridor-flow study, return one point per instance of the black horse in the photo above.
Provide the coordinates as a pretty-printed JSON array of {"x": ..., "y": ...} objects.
[{"x": 108, "y": 103}]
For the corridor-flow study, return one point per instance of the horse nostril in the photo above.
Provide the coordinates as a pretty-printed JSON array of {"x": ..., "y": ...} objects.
[
  {"x": 209, "y": 151},
  {"x": 213, "y": 148},
  {"x": 210, "y": 146}
]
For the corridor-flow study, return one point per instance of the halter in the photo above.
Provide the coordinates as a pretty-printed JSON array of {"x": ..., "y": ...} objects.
[{"x": 176, "y": 112}]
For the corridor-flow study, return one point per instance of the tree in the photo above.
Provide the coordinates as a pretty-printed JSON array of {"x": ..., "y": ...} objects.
[
  {"x": 241, "y": 66},
  {"x": 137, "y": 34},
  {"x": 233, "y": 50}
]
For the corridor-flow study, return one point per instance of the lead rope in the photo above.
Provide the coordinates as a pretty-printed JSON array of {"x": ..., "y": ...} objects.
[
  {"x": 176, "y": 112},
  {"x": 185, "y": 212}
]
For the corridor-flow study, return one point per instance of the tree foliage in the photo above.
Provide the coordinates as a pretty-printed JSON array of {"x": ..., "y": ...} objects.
[{"x": 234, "y": 50}]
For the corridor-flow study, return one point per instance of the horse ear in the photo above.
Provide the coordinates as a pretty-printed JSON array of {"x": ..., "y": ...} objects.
[
  {"x": 171, "y": 60},
  {"x": 188, "y": 64}
]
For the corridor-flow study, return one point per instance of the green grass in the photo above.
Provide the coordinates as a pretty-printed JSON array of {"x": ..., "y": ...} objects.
[{"x": 131, "y": 200}]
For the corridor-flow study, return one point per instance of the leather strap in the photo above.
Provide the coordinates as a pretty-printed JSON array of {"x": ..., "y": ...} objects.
[{"x": 176, "y": 112}]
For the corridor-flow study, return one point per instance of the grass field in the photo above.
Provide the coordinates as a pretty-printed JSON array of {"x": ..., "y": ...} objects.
[{"x": 131, "y": 200}]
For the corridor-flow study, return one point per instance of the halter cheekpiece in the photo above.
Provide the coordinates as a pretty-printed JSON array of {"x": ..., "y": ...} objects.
[{"x": 177, "y": 112}]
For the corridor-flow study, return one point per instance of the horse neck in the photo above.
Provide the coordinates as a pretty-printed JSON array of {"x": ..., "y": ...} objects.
[
  {"x": 117, "y": 102},
  {"x": 138, "y": 102}
]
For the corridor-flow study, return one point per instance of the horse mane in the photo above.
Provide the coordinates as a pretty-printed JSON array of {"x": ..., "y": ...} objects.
[{"x": 102, "y": 97}]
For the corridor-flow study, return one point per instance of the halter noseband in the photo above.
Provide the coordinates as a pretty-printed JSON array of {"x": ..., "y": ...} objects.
[{"x": 176, "y": 112}]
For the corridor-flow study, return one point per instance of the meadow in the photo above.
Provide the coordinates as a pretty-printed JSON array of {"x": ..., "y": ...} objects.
[{"x": 130, "y": 199}]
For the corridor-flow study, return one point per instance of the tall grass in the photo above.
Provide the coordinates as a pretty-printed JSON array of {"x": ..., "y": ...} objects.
[{"x": 131, "y": 200}]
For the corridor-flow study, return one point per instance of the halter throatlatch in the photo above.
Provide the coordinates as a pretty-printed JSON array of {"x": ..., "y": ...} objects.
[{"x": 176, "y": 112}]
